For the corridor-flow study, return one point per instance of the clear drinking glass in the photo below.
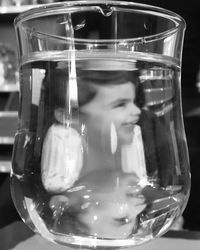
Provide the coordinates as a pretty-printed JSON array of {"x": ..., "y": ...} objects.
[{"x": 100, "y": 156}]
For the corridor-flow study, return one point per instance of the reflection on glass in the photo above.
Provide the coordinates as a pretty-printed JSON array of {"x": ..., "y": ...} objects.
[{"x": 114, "y": 166}]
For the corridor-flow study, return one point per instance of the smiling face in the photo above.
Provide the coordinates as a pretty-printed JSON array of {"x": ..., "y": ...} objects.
[
  {"x": 104, "y": 204},
  {"x": 113, "y": 216},
  {"x": 111, "y": 209},
  {"x": 113, "y": 104}
]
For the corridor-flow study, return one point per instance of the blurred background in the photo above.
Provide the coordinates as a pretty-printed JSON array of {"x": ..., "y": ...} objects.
[
  {"x": 190, "y": 98},
  {"x": 9, "y": 9}
]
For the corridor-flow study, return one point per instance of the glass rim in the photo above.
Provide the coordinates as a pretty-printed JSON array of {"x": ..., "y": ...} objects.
[{"x": 60, "y": 8}]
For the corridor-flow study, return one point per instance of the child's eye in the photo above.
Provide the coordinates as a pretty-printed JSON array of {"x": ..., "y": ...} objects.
[
  {"x": 123, "y": 220},
  {"x": 120, "y": 105}
]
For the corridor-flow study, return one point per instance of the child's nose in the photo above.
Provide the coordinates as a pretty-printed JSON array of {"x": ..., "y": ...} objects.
[{"x": 134, "y": 109}]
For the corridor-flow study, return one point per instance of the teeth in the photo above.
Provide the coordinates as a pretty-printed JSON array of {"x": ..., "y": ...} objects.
[{"x": 131, "y": 125}]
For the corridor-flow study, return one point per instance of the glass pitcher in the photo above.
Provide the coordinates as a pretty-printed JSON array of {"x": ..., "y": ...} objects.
[{"x": 100, "y": 156}]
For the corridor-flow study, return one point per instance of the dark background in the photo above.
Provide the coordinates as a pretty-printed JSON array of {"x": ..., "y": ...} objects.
[{"x": 189, "y": 10}]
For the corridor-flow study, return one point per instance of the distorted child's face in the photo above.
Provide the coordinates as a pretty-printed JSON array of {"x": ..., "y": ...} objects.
[
  {"x": 113, "y": 104},
  {"x": 107, "y": 207},
  {"x": 113, "y": 212}
]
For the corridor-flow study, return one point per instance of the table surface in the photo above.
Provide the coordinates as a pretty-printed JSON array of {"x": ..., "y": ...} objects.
[{"x": 17, "y": 236}]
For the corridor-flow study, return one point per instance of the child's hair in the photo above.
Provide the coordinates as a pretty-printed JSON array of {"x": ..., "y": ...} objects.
[{"x": 56, "y": 81}]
